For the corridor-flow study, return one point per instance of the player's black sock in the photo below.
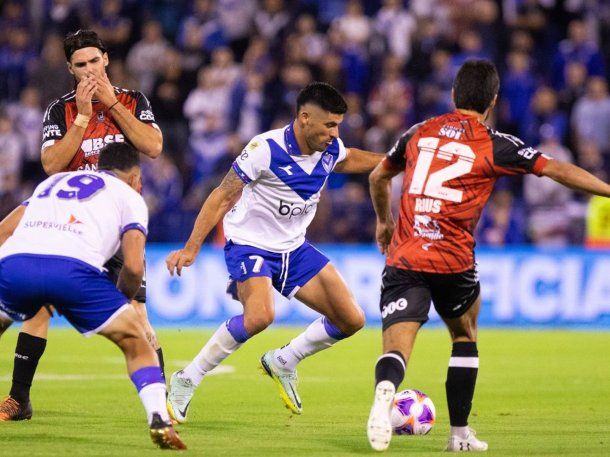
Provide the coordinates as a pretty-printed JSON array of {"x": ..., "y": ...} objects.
[
  {"x": 390, "y": 367},
  {"x": 161, "y": 361},
  {"x": 461, "y": 380},
  {"x": 27, "y": 354}
]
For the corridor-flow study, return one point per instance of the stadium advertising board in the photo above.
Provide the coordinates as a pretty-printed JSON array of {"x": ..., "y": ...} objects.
[{"x": 521, "y": 287}]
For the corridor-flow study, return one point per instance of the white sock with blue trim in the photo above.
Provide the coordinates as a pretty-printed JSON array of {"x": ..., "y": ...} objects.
[{"x": 321, "y": 334}]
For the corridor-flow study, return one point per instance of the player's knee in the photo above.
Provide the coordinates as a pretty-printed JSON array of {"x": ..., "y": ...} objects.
[
  {"x": 353, "y": 322},
  {"x": 258, "y": 322}
]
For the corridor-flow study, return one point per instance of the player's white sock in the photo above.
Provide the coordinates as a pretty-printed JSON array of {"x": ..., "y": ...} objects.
[
  {"x": 153, "y": 399},
  {"x": 221, "y": 345},
  {"x": 462, "y": 432},
  {"x": 321, "y": 334}
]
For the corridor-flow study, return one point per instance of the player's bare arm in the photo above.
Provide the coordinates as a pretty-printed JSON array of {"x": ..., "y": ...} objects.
[
  {"x": 359, "y": 161},
  {"x": 10, "y": 223},
  {"x": 575, "y": 177},
  {"x": 219, "y": 202},
  {"x": 379, "y": 187},
  {"x": 55, "y": 158},
  {"x": 146, "y": 139},
  {"x": 130, "y": 277}
]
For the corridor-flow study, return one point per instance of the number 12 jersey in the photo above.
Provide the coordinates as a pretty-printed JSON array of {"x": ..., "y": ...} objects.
[{"x": 450, "y": 165}]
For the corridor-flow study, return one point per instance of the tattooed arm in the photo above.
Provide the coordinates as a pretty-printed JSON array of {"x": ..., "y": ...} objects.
[{"x": 219, "y": 202}]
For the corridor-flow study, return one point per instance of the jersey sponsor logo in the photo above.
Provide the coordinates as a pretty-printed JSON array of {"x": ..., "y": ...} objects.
[
  {"x": 147, "y": 115},
  {"x": 91, "y": 146},
  {"x": 327, "y": 162},
  {"x": 287, "y": 169},
  {"x": 428, "y": 205},
  {"x": 426, "y": 227},
  {"x": 450, "y": 131},
  {"x": 51, "y": 130},
  {"x": 527, "y": 153},
  {"x": 398, "y": 305},
  {"x": 50, "y": 225},
  {"x": 294, "y": 210}
]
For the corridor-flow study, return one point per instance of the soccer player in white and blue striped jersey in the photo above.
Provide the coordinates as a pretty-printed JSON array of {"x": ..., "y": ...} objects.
[{"x": 268, "y": 199}]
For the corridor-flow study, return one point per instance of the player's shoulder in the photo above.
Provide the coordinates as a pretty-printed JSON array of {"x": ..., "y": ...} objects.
[
  {"x": 128, "y": 93},
  {"x": 504, "y": 139},
  {"x": 60, "y": 103}
]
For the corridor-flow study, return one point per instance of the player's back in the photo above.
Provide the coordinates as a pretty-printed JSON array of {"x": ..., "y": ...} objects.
[
  {"x": 79, "y": 215},
  {"x": 451, "y": 163}
]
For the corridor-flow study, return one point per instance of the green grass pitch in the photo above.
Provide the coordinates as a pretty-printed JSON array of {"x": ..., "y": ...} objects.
[{"x": 538, "y": 393}]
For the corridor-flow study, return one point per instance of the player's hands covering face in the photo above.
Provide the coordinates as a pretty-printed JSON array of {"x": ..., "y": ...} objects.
[
  {"x": 105, "y": 92},
  {"x": 85, "y": 90}
]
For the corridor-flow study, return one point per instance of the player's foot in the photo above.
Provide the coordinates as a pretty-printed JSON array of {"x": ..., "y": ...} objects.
[
  {"x": 12, "y": 410},
  {"x": 470, "y": 443},
  {"x": 286, "y": 382},
  {"x": 164, "y": 435},
  {"x": 179, "y": 395},
  {"x": 379, "y": 427}
]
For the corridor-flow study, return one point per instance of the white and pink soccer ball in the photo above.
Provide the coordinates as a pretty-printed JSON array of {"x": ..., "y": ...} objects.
[{"x": 413, "y": 413}]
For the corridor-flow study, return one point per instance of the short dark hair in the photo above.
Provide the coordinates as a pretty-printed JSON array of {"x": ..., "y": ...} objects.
[
  {"x": 323, "y": 95},
  {"x": 82, "y": 39},
  {"x": 475, "y": 86},
  {"x": 118, "y": 156}
]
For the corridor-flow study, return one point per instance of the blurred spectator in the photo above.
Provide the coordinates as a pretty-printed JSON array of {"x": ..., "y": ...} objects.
[
  {"x": 309, "y": 41},
  {"x": 14, "y": 16},
  {"x": 577, "y": 48},
  {"x": 471, "y": 47},
  {"x": 516, "y": 91},
  {"x": 15, "y": 58},
  {"x": 62, "y": 18},
  {"x": 353, "y": 26},
  {"x": 247, "y": 106},
  {"x": 352, "y": 208},
  {"x": 397, "y": 26},
  {"x": 393, "y": 92},
  {"x": 201, "y": 30},
  {"x": 271, "y": 20},
  {"x": 236, "y": 17},
  {"x": 549, "y": 221},
  {"x": 576, "y": 78},
  {"x": 11, "y": 154},
  {"x": 502, "y": 222},
  {"x": 591, "y": 115},
  {"x": 113, "y": 28},
  {"x": 488, "y": 25},
  {"x": 387, "y": 129},
  {"x": 26, "y": 116},
  {"x": 49, "y": 74},
  {"x": 434, "y": 94},
  {"x": 147, "y": 57},
  {"x": 544, "y": 110}
]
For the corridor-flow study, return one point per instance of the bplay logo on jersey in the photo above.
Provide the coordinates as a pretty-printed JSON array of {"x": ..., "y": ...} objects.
[{"x": 294, "y": 210}]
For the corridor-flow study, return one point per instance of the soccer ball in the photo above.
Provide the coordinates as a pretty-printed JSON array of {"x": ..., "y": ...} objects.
[{"x": 413, "y": 413}]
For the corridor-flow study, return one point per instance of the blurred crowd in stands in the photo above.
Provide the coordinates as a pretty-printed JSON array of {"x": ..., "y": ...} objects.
[{"x": 217, "y": 72}]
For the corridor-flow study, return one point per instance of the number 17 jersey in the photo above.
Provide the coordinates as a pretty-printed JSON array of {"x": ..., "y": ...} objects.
[{"x": 450, "y": 166}]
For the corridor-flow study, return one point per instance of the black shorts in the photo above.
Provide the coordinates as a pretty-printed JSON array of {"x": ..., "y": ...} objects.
[
  {"x": 406, "y": 295},
  {"x": 114, "y": 266}
]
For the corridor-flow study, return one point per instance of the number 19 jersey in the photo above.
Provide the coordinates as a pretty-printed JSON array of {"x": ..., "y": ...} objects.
[
  {"x": 450, "y": 165},
  {"x": 79, "y": 215}
]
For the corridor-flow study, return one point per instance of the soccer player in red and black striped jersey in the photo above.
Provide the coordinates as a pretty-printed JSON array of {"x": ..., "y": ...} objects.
[
  {"x": 450, "y": 165},
  {"x": 76, "y": 127}
]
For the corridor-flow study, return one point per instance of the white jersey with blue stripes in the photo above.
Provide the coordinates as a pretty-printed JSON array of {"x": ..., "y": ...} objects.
[
  {"x": 282, "y": 190},
  {"x": 80, "y": 215}
]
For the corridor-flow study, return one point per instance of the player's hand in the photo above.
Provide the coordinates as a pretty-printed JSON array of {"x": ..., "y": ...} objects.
[
  {"x": 176, "y": 260},
  {"x": 383, "y": 235},
  {"x": 105, "y": 91},
  {"x": 85, "y": 90}
]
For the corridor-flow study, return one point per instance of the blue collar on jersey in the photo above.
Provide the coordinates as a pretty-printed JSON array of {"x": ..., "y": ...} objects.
[{"x": 292, "y": 147}]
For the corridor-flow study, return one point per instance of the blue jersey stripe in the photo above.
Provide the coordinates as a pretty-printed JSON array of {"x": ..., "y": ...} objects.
[{"x": 290, "y": 173}]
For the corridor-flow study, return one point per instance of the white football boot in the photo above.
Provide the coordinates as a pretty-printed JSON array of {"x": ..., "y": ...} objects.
[
  {"x": 468, "y": 444},
  {"x": 379, "y": 427},
  {"x": 179, "y": 395},
  {"x": 286, "y": 381}
]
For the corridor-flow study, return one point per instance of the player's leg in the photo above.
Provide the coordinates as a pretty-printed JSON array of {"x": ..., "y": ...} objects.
[
  {"x": 5, "y": 323},
  {"x": 457, "y": 300},
  {"x": 404, "y": 305},
  {"x": 256, "y": 294},
  {"x": 31, "y": 343},
  {"x": 126, "y": 331}
]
